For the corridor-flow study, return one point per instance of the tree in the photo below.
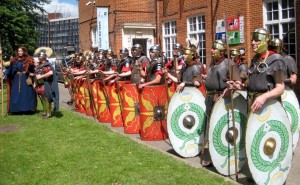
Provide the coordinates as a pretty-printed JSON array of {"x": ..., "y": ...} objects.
[{"x": 18, "y": 21}]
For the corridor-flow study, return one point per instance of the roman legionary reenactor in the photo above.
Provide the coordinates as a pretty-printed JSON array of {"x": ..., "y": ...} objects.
[
  {"x": 216, "y": 78},
  {"x": 190, "y": 73},
  {"x": 289, "y": 98},
  {"x": 153, "y": 98},
  {"x": 277, "y": 46},
  {"x": 175, "y": 64},
  {"x": 109, "y": 66},
  {"x": 140, "y": 61},
  {"x": 124, "y": 66},
  {"x": 153, "y": 73},
  {"x": 268, "y": 134},
  {"x": 236, "y": 56},
  {"x": 186, "y": 110},
  {"x": 48, "y": 88}
]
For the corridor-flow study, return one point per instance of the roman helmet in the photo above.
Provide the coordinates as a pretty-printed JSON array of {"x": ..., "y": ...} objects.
[
  {"x": 235, "y": 54},
  {"x": 42, "y": 54},
  {"x": 178, "y": 49},
  {"x": 191, "y": 54},
  {"x": 220, "y": 46},
  {"x": 87, "y": 54},
  {"x": 264, "y": 37},
  {"x": 277, "y": 45},
  {"x": 110, "y": 53},
  {"x": 102, "y": 54},
  {"x": 139, "y": 49},
  {"x": 156, "y": 50},
  {"x": 124, "y": 53}
]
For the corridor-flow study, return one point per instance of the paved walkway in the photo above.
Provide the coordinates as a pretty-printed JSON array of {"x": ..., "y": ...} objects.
[{"x": 165, "y": 147}]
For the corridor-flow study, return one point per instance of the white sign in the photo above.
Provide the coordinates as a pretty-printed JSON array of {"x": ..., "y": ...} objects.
[
  {"x": 102, "y": 28},
  {"x": 242, "y": 33},
  {"x": 220, "y": 26}
]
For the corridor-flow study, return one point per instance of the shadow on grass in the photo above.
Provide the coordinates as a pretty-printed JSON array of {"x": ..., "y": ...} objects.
[{"x": 57, "y": 114}]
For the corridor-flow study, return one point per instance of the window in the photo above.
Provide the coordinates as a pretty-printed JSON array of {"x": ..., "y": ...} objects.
[
  {"x": 196, "y": 30},
  {"x": 169, "y": 35},
  {"x": 279, "y": 19}
]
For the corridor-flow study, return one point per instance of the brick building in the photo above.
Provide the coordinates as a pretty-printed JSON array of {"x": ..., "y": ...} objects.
[
  {"x": 168, "y": 21},
  {"x": 130, "y": 22}
]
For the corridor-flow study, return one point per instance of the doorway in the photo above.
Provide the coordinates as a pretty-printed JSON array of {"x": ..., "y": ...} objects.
[{"x": 142, "y": 42}]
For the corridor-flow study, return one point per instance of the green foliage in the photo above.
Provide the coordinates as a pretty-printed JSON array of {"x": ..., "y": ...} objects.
[{"x": 17, "y": 25}]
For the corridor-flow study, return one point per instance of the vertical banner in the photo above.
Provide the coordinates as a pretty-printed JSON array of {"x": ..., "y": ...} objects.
[{"x": 102, "y": 28}]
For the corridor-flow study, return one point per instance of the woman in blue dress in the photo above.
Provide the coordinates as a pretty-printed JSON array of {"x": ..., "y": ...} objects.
[{"x": 22, "y": 96}]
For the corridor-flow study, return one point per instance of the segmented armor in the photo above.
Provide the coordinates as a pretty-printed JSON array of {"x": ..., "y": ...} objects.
[
  {"x": 155, "y": 66},
  {"x": 135, "y": 76},
  {"x": 123, "y": 63}
]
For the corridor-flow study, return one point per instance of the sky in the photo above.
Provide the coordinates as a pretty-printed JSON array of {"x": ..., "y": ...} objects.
[{"x": 66, "y": 7}]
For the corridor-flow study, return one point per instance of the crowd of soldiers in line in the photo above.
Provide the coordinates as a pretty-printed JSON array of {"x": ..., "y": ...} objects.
[{"x": 264, "y": 78}]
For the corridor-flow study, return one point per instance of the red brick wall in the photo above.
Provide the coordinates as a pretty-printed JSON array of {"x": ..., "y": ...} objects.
[{"x": 120, "y": 12}]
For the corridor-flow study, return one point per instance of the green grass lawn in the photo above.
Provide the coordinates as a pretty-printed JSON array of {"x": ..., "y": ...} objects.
[{"x": 70, "y": 149}]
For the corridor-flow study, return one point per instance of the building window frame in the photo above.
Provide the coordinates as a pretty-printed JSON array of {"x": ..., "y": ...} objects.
[
  {"x": 196, "y": 29},
  {"x": 169, "y": 37},
  {"x": 278, "y": 27}
]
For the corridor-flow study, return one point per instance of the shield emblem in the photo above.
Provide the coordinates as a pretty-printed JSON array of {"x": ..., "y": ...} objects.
[
  {"x": 269, "y": 144},
  {"x": 291, "y": 107},
  {"x": 221, "y": 133},
  {"x": 153, "y": 106},
  {"x": 185, "y": 121}
]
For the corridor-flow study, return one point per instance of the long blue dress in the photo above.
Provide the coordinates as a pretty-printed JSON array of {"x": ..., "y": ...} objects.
[{"x": 22, "y": 96}]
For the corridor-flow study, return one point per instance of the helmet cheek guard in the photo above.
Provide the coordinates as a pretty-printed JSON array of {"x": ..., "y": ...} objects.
[
  {"x": 263, "y": 37},
  {"x": 262, "y": 46},
  {"x": 138, "y": 50},
  {"x": 217, "y": 55},
  {"x": 191, "y": 54},
  {"x": 219, "y": 47},
  {"x": 124, "y": 53},
  {"x": 156, "y": 50},
  {"x": 235, "y": 54}
]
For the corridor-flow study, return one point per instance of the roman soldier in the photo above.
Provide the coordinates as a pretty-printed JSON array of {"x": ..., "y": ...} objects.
[
  {"x": 139, "y": 64},
  {"x": 124, "y": 66},
  {"x": 236, "y": 56},
  {"x": 47, "y": 85},
  {"x": 291, "y": 66},
  {"x": 190, "y": 73},
  {"x": 153, "y": 73},
  {"x": 216, "y": 81}
]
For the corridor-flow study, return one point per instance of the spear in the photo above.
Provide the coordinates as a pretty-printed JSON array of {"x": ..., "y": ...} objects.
[
  {"x": 231, "y": 101},
  {"x": 89, "y": 88},
  {"x": 65, "y": 78}
]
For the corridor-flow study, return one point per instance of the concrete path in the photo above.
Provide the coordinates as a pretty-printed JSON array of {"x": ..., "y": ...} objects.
[{"x": 165, "y": 147}]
